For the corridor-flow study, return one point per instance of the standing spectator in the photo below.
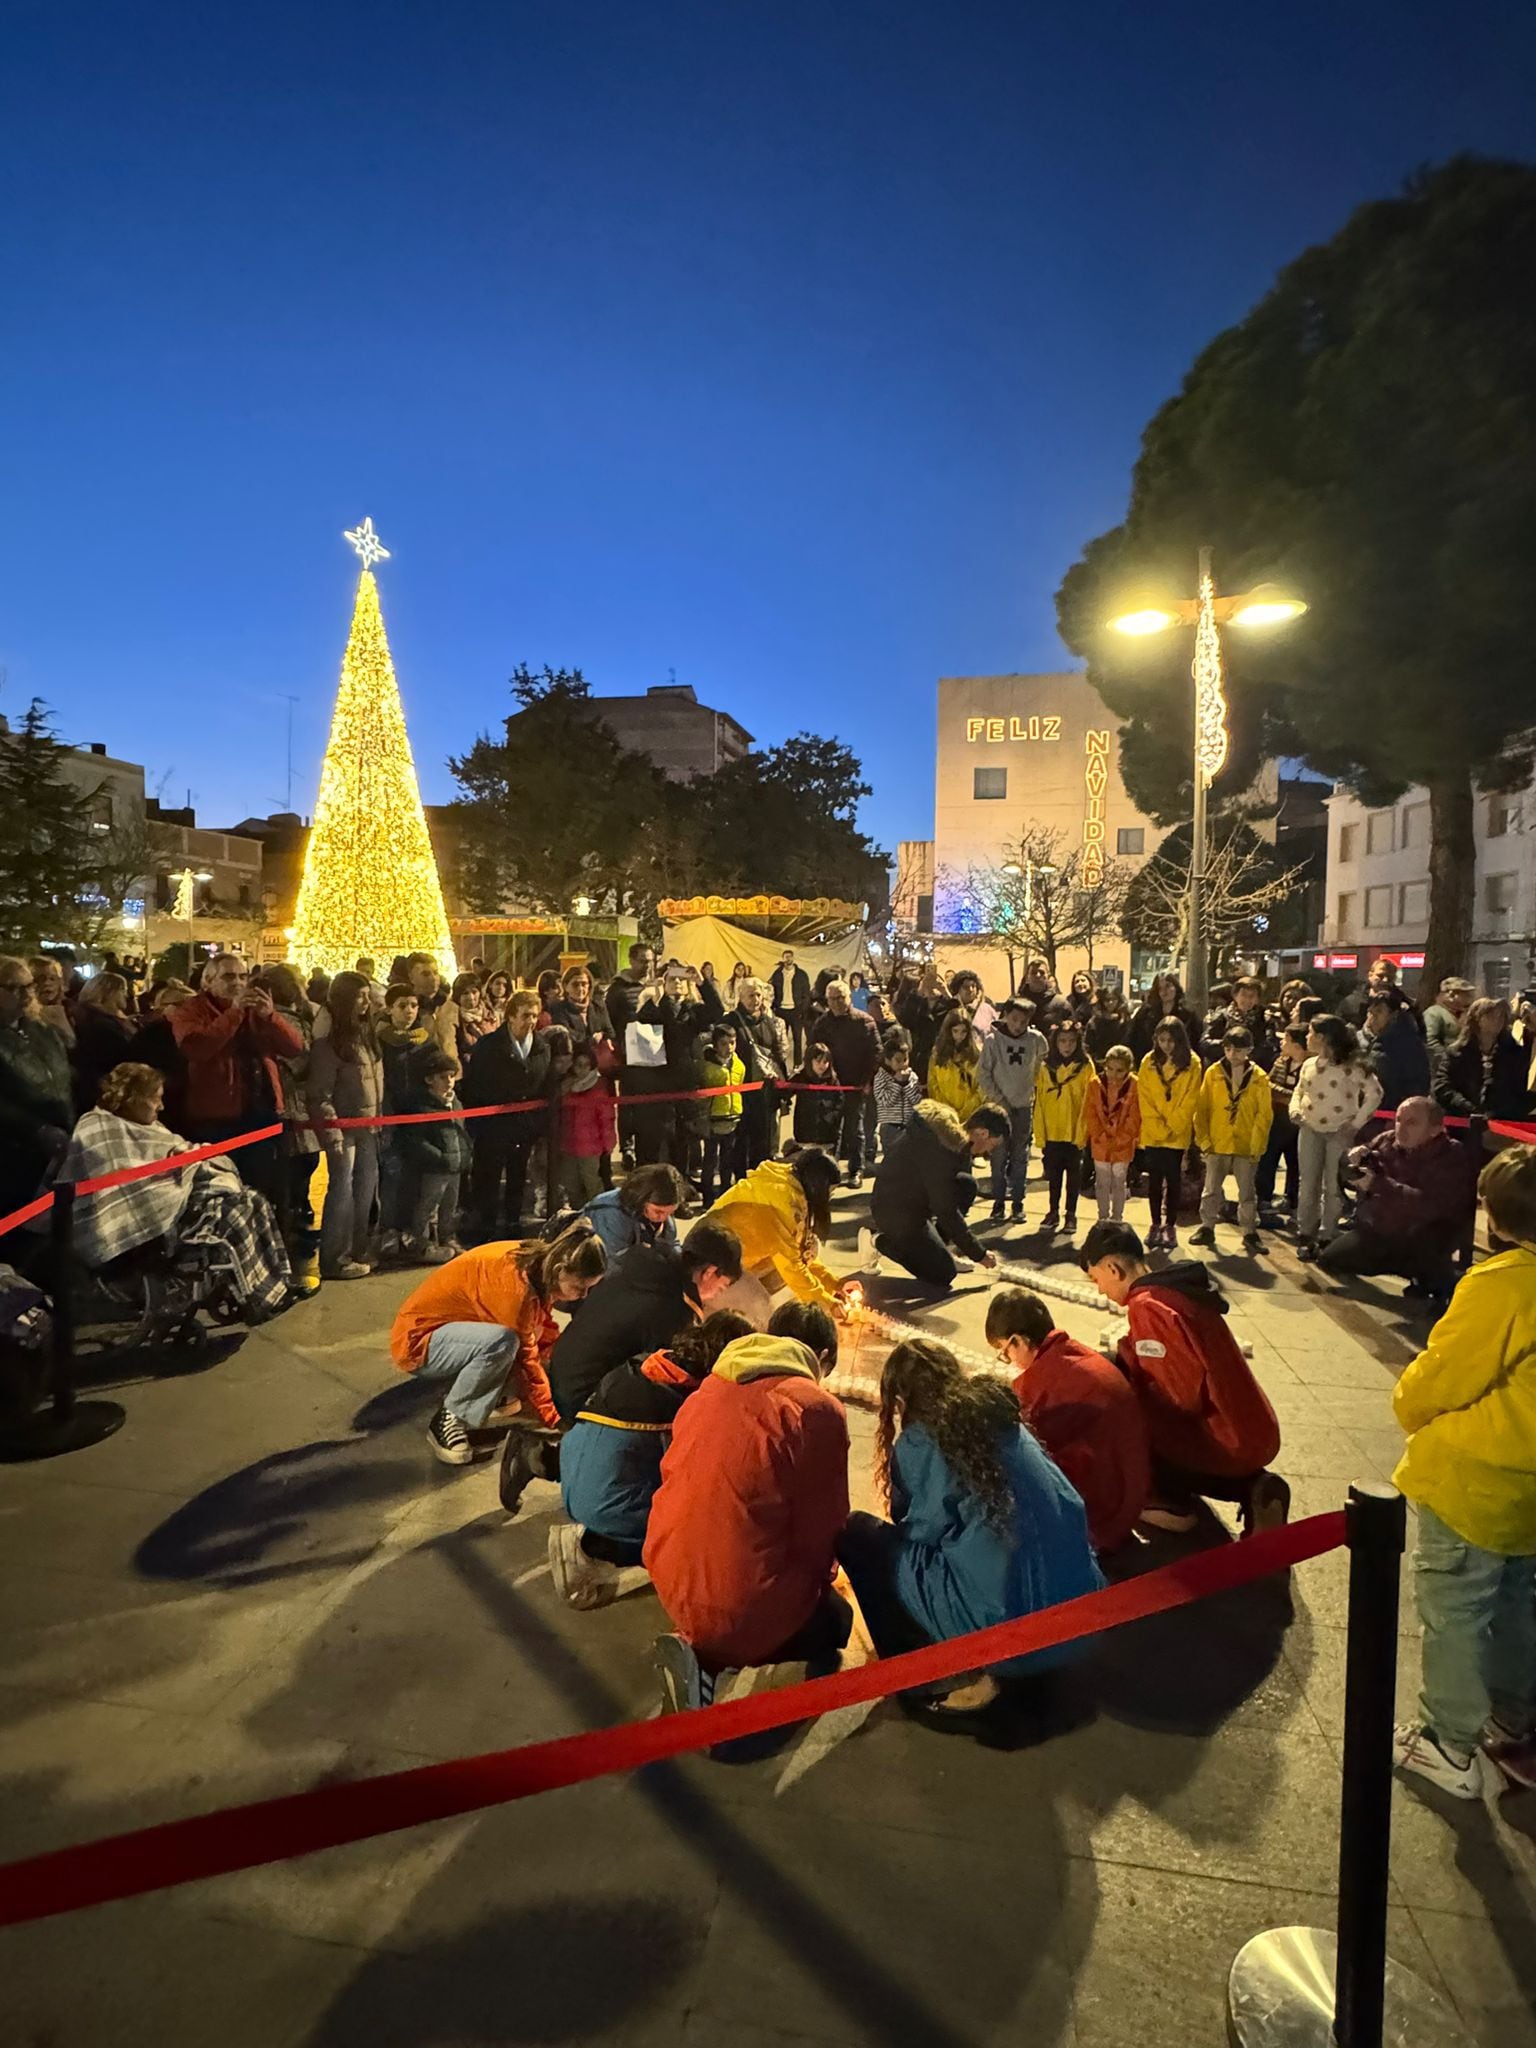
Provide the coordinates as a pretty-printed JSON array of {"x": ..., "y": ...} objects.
[
  {"x": 762, "y": 1046},
  {"x": 589, "y": 1124},
  {"x": 1109, "y": 1022},
  {"x": 155, "y": 1046},
  {"x": 104, "y": 1034},
  {"x": 1080, "y": 995},
  {"x": 1416, "y": 1204},
  {"x": 367, "y": 968},
  {"x": 579, "y": 1008},
  {"x": 48, "y": 997},
  {"x": 739, "y": 973},
  {"x": 1232, "y": 1118},
  {"x": 954, "y": 1065},
  {"x": 1283, "y": 1134},
  {"x": 1442, "y": 1020},
  {"x": 897, "y": 1092},
  {"x": 494, "y": 992},
  {"x": 859, "y": 990},
  {"x": 1394, "y": 1047},
  {"x": 1484, "y": 1073},
  {"x": 473, "y": 1019},
  {"x": 1168, "y": 1084},
  {"x": 36, "y": 1112},
  {"x": 1244, "y": 1011},
  {"x": 854, "y": 1045},
  {"x": 791, "y": 987},
  {"x": 404, "y": 1044},
  {"x": 965, "y": 989},
  {"x": 920, "y": 1004},
  {"x": 434, "y": 1007},
  {"x": 434, "y": 1159},
  {"x": 1165, "y": 1000},
  {"x": 632, "y": 986},
  {"x": 231, "y": 1038},
  {"x": 1061, "y": 1119},
  {"x": 548, "y": 991},
  {"x": 301, "y": 1141},
  {"x": 1007, "y": 1074},
  {"x": 510, "y": 1064},
  {"x": 346, "y": 1079},
  {"x": 683, "y": 1011},
  {"x": 1381, "y": 979},
  {"x": 818, "y": 1112},
  {"x": 723, "y": 1068},
  {"x": 1335, "y": 1095},
  {"x": 1113, "y": 1120},
  {"x": 1291, "y": 993}
]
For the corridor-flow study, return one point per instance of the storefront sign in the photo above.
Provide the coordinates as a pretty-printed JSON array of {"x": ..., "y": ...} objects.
[
  {"x": 995, "y": 731},
  {"x": 1095, "y": 786}
]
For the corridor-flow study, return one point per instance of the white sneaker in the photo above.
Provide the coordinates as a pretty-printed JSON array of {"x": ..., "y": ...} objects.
[
  {"x": 1415, "y": 1749},
  {"x": 869, "y": 1258},
  {"x": 582, "y": 1582},
  {"x": 744, "y": 1680}
]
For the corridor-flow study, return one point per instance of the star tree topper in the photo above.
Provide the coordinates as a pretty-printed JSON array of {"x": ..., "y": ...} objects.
[{"x": 370, "y": 548}]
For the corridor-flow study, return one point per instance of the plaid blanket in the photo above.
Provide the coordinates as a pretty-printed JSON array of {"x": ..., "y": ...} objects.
[{"x": 118, "y": 1220}]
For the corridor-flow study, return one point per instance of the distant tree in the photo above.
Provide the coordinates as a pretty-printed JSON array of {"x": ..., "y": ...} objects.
[
  {"x": 1035, "y": 901},
  {"x": 784, "y": 821},
  {"x": 66, "y": 866},
  {"x": 1244, "y": 895},
  {"x": 1366, "y": 435}
]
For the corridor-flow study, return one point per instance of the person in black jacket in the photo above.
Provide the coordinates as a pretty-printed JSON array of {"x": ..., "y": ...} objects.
[
  {"x": 1485, "y": 1073},
  {"x": 629, "y": 988},
  {"x": 1165, "y": 998},
  {"x": 1395, "y": 1048},
  {"x": 854, "y": 1044},
  {"x": 684, "y": 1009},
  {"x": 510, "y": 1064},
  {"x": 578, "y": 1007},
  {"x": 818, "y": 1117},
  {"x": 436, "y": 1157},
  {"x": 923, "y": 1187},
  {"x": 762, "y": 1046},
  {"x": 791, "y": 990},
  {"x": 648, "y": 1295}
]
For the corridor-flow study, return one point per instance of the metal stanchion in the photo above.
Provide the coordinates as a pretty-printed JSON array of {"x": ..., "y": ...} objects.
[
  {"x": 1304, "y": 1987},
  {"x": 68, "y": 1424}
]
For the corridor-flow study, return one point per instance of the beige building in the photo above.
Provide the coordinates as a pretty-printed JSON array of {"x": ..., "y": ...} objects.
[{"x": 1016, "y": 753}]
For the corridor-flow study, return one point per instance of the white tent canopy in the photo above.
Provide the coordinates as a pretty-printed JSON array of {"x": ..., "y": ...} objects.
[{"x": 713, "y": 939}]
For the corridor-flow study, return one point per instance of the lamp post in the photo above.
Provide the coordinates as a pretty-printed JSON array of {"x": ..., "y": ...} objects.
[
  {"x": 1028, "y": 868},
  {"x": 186, "y": 904},
  {"x": 1207, "y": 613}
]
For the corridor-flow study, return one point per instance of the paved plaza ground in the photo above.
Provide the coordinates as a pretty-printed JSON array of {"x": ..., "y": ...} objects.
[{"x": 264, "y": 1582}]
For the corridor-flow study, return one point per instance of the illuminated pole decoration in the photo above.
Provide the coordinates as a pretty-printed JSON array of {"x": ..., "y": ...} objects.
[{"x": 370, "y": 882}]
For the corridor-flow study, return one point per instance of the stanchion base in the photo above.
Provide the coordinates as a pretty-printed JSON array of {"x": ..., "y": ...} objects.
[
  {"x": 91, "y": 1422},
  {"x": 1280, "y": 1995}
]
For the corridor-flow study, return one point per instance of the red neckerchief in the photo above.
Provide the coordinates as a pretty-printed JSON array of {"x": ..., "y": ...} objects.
[{"x": 664, "y": 1371}]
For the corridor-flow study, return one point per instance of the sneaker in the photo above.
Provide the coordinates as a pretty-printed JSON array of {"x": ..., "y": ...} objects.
[
  {"x": 1514, "y": 1756},
  {"x": 347, "y": 1269},
  {"x": 684, "y": 1682},
  {"x": 853, "y": 1180},
  {"x": 1178, "y": 1521},
  {"x": 1070, "y": 1226},
  {"x": 869, "y": 1258},
  {"x": 1306, "y": 1250},
  {"x": 450, "y": 1439},
  {"x": 1416, "y": 1750},
  {"x": 389, "y": 1245},
  {"x": 522, "y": 1459},
  {"x": 973, "y": 1697},
  {"x": 997, "y": 1212},
  {"x": 437, "y": 1254},
  {"x": 1050, "y": 1223},
  {"x": 1268, "y": 1505},
  {"x": 1017, "y": 1212},
  {"x": 1253, "y": 1244},
  {"x": 1205, "y": 1236},
  {"x": 741, "y": 1683},
  {"x": 582, "y": 1582},
  {"x": 1170, "y": 1238},
  {"x": 1155, "y": 1238}
]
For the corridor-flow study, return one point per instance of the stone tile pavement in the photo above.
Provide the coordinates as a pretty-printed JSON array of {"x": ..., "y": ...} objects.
[{"x": 265, "y": 1582}]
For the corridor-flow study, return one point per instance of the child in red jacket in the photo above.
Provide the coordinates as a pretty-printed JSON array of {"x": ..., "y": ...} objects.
[
  {"x": 1081, "y": 1407},
  {"x": 1211, "y": 1429},
  {"x": 588, "y": 1126}
]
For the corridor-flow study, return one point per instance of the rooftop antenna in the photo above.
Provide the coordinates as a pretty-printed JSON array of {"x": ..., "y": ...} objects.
[{"x": 288, "y": 786}]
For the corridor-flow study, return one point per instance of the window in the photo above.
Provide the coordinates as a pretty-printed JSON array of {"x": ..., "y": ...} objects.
[
  {"x": 1378, "y": 906},
  {"x": 988, "y": 782},
  {"x": 1349, "y": 842},
  {"x": 1499, "y": 893},
  {"x": 1500, "y": 812},
  {"x": 1413, "y": 903},
  {"x": 1495, "y": 977},
  {"x": 1346, "y": 917},
  {"x": 1415, "y": 825},
  {"x": 101, "y": 814},
  {"x": 1378, "y": 832},
  {"x": 1131, "y": 839},
  {"x": 245, "y": 895}
]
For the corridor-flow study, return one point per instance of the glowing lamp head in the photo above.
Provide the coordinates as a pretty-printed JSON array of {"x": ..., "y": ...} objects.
[
  {"x": 1267, "y": 606},
  {"x": 1138, "y": 625}
]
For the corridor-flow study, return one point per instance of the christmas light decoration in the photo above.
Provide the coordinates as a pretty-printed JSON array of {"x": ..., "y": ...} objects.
[
  {"x": 370, "y": 881},
  {"x": 1210, "y": 703}
]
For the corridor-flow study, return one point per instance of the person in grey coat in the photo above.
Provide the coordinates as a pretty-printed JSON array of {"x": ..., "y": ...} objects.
[{"x": 1011, "y": 1055}]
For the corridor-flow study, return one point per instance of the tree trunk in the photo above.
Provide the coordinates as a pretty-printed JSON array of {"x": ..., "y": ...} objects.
[{"x": 1452, "y": 882}]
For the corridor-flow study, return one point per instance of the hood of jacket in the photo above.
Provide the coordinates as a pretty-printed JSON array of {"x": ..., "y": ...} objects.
[
  {"x": 941, "y": 1122},
  {"x": 762, "y": 1357},
  {"x": 1188, "y": 1278}
]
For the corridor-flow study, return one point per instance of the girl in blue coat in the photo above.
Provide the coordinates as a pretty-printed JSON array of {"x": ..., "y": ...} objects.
[{"x": 984, "y": 1528}]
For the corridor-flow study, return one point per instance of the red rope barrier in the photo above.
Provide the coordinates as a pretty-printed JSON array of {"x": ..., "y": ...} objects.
[{"x": 300, "y": 1823}]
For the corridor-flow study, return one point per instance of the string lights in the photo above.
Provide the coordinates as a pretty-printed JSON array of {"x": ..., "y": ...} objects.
[
  {"x": 370, "y": 881},
  {"x": 1210, "y": 700}
]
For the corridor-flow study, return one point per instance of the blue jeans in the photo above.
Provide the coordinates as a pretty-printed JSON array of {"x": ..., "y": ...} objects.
[
  {"x": 352, "y": 1181},
  {"x": 1010, "y": 1162},
  {"x": 1479, "y": 1616},
  {"x": 476, "y": 1359}
]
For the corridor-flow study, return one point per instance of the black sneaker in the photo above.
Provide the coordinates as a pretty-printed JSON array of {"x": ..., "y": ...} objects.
[
  {"x": 1205, "y": 1235},
  {"x": 997, "y": 1212},
  {"x": 1268, "y": 1505},
  {"x": 450, "y": 1439},
  {"x": 1253, "y": 1244},
  {"x": 522, "y": 1459},
  {"x": 1306, "y": 1250}
]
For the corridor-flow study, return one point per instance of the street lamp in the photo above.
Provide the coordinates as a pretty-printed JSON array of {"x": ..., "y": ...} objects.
[
  {"x": 1028, "y": 868},
  {"x": 1207, "y": 613},
  {"x": 186, "y": 903}
]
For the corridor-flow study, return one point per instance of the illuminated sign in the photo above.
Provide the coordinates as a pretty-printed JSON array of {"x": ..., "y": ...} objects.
[
  {"x": 1095, "y": 787},
  {"x": 995, "y": 731},
  {"x": 1403, "y": 959}
]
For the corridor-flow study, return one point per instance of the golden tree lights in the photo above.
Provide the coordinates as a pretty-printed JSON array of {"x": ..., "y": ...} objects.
[
  {"x": 1210, "y": 703},
  {"x": 370, "y": 882}
]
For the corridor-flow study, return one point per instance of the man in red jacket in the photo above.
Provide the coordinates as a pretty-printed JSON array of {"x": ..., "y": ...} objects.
[
  {"x": 231, "y": 1039},
  {"x": 744, "y": 1526},
  {"x": 1081, "y": 1407},
  {"x": 1211, "y": 1429}
]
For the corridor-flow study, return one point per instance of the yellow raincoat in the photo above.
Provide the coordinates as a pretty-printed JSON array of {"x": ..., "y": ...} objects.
[
  {"x": 1061, "y": 1103},
  {"x": 955, "y": 1086},
  {"x": 1168, "y": 1100},
  {"x": 1239, "y": 1128},
  {"x": 1468, "y": 1402},
  {"x": 767, "y": 1210}
]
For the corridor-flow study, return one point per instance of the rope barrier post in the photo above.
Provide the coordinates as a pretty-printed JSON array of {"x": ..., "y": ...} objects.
[
  {"x": 1305, "y": 1987},
  {"x": 67, "y": 1424}
]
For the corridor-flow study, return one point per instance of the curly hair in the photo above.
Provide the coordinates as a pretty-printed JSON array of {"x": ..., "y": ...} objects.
[{"x": 924, "y": 1382}]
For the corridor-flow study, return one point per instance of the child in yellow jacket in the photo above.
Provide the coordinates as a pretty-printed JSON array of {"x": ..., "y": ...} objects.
[
  {"x": 1168, "y": 1085},
  {"x": 1061, "y": 1119},
  {"x": 781, "y": 1211},
  {"x": 1468, "y": 1402},
  {"x": 952, "y": 1066},
  {"x": 1232, "y": 1117}
]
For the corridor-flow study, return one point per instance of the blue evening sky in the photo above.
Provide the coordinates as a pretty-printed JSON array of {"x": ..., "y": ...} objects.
[{"x": 795, "y": 347}]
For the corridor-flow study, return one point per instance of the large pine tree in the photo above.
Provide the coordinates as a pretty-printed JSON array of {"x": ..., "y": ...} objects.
[{"x": 63, "y": 871}]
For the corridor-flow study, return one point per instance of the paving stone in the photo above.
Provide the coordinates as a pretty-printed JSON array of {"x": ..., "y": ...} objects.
[{"x": 1489, "y": 1969}]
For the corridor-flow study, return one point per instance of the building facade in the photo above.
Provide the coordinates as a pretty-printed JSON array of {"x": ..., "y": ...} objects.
[
  {"x": 1016, "y": 753},
  {"x": 226, "y": 885},
  {"x": 1377, "y": 896},
  {"x": 682, "y": 736}
]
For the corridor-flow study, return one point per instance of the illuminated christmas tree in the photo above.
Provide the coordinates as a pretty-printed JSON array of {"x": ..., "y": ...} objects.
[{"x": 370, "y": 877}]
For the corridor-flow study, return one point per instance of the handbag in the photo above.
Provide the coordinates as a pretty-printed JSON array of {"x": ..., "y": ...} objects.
[{"x": 643, "y": 1046}]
